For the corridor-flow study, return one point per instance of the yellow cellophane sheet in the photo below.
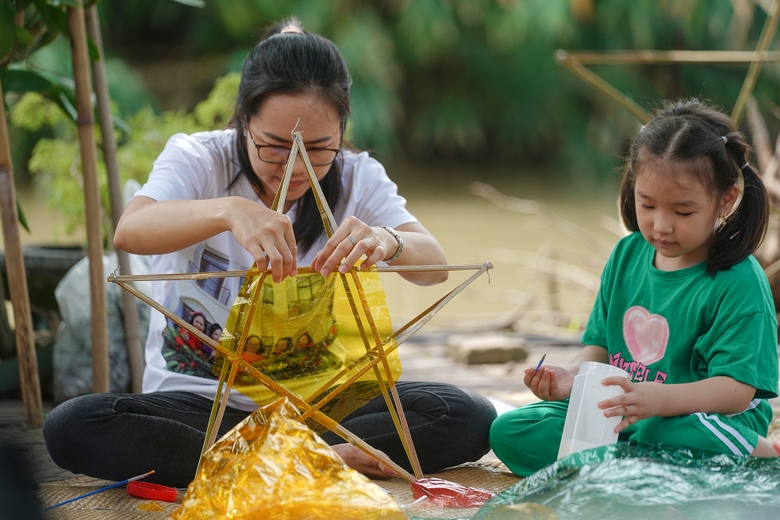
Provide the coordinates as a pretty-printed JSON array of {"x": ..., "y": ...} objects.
[
  {"x": 270, "y": 466},
  {"x": 310, "y": 334}
]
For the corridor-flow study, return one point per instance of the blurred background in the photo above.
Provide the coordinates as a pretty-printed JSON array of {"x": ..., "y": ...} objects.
[{"x": 446, "y": 93}]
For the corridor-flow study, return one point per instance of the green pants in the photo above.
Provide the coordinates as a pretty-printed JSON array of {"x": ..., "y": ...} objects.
[{"x": 527, "y": 439}]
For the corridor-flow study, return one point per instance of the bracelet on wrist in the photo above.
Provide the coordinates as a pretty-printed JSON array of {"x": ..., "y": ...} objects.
[{"x": 397, "y": 237}]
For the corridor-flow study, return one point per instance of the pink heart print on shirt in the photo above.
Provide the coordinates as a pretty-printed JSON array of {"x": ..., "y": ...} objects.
[{"x": 645, "y": 334}]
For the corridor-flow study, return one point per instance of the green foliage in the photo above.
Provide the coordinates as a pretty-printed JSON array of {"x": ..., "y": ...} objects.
[
  {"x": 476, "y": 78},
  {"x": 56, "y": 162},
  {"x": 432, "y": 79}
]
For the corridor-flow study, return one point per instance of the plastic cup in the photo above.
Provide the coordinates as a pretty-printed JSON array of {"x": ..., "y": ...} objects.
[{"x": 585, "y": 426}]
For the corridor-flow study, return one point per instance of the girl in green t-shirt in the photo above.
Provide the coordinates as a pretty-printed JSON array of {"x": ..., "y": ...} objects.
[{"x": 683, "y": 305}]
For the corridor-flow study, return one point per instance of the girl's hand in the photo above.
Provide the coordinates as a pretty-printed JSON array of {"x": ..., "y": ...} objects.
[
  {"x": 266, "y": 234},
  {"x": 374, "y": 242},
  {"x": 640, "y": 400},
  {"x": 550, "y": 382}
]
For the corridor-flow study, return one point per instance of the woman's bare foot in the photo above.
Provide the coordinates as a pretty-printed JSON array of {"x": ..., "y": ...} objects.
[{"x": 362, "y": 462}]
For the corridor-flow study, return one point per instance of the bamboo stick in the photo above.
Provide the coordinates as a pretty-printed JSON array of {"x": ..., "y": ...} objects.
[
  {"x": 595, "y": 81},
  {"x": 135, "y": 352},
  {"x": 654, "y": 57},
  {"x": 760, "y": 134},
  {"x": 115, "y": 278},
  {"x": 76, "y": 25},
  {"x": 397, "y": 414},
  {"x": 17, "y": 283},
  {"x": 767, "y": 34}
]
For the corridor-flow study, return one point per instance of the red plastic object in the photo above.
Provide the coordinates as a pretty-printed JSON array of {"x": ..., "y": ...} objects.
[
  {"x": 152, "y": 491},
  {"x": 444, "y": 493}
]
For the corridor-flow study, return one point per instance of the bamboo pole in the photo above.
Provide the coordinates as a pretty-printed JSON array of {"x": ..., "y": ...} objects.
[
  {"x": 78, "y": 39},
  {"x": 653, "y": 57},
  {"x": 767, "y": 34},
  {"x": 204, "y": 275},
  {"x": 17, "y": 283},
  {"x": 595, "y": 81},
  {"x": 135, "y": 352}
]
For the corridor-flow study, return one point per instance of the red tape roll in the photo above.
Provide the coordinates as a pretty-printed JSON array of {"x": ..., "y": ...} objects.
[{"x": 152, "y": 491}]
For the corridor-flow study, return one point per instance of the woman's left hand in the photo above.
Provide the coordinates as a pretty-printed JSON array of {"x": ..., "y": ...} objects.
[
  {"x": 640, "y": 400},
  {"x": 352, "y": 240}
]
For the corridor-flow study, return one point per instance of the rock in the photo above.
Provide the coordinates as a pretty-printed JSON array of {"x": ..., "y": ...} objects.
[{"x": 486, "y": 348}]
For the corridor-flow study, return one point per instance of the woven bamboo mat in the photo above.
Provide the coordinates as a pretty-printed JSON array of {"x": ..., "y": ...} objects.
[
  {"x": 114, "y": 504},
  {"x": 489, "y": 474}
]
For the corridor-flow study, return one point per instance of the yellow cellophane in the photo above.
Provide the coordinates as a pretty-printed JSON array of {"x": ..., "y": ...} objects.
[
  {"x": 271, "y": 466},
  {"x": 310, "y": 334}
]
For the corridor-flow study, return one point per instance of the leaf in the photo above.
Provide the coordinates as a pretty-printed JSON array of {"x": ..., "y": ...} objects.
[
  {"x": 192, "y": 3},
  {"x": 23, "y": 36},
  {"x": 120, "y": 124},
  {"x": 6, "y": 29},
  {"x": 62, "y": 95},
  {"x": 20, "y": 215},
  {"x": 69, "y": 3},
  {"x": 54, "y": 18},
  {"x": 94, "y": 52},
  {"x": 23, "y": 81}
]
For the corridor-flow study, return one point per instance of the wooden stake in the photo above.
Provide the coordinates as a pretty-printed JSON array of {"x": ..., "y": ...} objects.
[
  {"x": 78, "y": 39},
  {"x": 17, "y": 283},
  {"x": 135, "y": 350}
]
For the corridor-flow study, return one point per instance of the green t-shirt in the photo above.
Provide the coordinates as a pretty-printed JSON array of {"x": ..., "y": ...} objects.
[{"x": 684, "y": 326}]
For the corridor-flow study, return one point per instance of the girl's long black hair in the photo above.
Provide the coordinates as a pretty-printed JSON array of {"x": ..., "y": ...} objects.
[
  {"x": 293, "y": 62},
  {"x": 692, "y": 132}
]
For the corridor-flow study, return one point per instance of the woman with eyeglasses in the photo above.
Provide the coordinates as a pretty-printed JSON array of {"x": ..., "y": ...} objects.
[{"x": 206, "y": 206}]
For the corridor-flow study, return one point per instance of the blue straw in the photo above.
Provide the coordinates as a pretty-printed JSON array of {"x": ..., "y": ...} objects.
[
  {"x": 116, "y": 485},
  {"x": 541, "y": 361}
]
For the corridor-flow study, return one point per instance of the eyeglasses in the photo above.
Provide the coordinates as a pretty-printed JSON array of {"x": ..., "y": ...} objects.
[{"x": 276, "y": 154}]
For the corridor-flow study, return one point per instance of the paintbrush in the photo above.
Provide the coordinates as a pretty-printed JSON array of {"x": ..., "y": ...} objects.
[
  {"x": 541, "y": 361},
  {"x": 112, "y": 486}
]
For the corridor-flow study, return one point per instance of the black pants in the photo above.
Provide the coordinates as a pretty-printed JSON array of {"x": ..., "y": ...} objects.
[{"x": 118, "y": 436}]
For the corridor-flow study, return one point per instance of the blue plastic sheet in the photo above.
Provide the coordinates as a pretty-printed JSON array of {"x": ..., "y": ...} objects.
[{"x": 644, "y": 482}]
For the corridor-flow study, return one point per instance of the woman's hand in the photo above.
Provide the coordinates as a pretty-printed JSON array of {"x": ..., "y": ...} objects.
[
  {"x": 360, "y": 461},
  {"x": 267, "y": 235},
  {"x": 550, "y": 382},
  {"x": 420, "y": 248},
  {"x": 149, "y": 227},
  {"x": 640, "y": 400},
  {"x": 352, "y": 240}
]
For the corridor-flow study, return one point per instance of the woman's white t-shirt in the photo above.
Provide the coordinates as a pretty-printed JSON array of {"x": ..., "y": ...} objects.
[{"x": 201, "y": 166}]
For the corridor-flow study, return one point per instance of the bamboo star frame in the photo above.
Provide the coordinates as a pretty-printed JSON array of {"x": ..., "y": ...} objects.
[
  {"x": 376, "y": 350},
  {"x": 575, "y": 63}
]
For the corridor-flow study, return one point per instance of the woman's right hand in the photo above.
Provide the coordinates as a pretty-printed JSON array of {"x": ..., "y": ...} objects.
[
  {"x": 149, "y": 227},
  {"x": 266, "y": 234},
  {"x": 550, "y": 382}
]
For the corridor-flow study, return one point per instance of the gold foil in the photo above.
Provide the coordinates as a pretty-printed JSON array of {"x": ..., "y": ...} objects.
[{"x": 271, "y": 466}]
